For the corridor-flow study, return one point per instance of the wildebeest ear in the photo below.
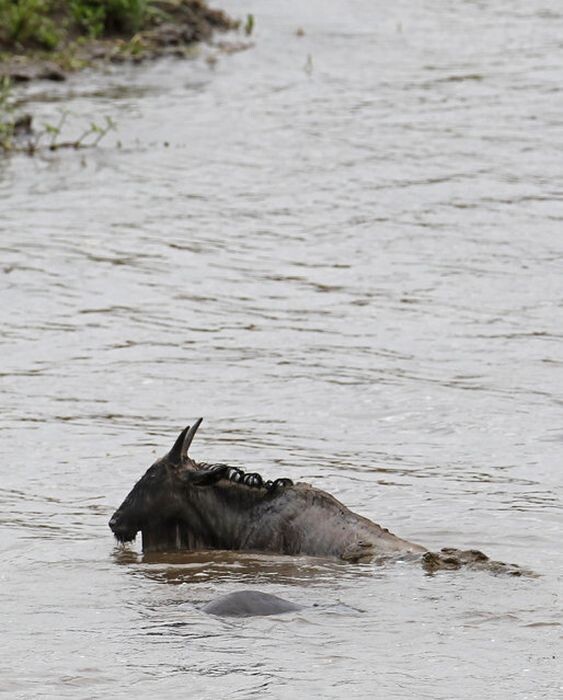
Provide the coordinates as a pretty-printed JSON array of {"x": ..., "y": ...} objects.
[
  {"x": 175, "y": 454},
  {"x": 207, "y": 477}
]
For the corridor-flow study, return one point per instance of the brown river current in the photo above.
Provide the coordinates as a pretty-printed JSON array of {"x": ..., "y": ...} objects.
[{"x": 349, "y": 259}]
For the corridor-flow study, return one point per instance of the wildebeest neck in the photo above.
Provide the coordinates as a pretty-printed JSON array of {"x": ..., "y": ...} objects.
[
  {"x": 209, "y": 517},
  {"x": 227, "y": 510}
]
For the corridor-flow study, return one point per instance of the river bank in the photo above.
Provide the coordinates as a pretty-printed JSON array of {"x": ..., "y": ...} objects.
[{"x": 49, "y": 40}]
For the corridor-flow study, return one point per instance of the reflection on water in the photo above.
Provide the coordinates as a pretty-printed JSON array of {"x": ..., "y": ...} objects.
[
  {"x": 354, "y": 273},
  {"x": 218, "y": 566}
]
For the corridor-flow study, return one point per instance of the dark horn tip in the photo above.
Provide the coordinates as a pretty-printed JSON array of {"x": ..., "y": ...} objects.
[{"x": 189, "y": 436}]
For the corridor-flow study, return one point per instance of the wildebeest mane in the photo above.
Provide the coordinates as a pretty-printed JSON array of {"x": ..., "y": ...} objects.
[{"x": 251, "y": 479}]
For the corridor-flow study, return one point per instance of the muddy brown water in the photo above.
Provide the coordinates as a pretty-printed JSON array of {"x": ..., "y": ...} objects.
[{"x": 349, "y": 260}]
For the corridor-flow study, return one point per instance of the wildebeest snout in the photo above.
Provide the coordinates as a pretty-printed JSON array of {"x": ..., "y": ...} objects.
[{"x": 123, "y": 531}]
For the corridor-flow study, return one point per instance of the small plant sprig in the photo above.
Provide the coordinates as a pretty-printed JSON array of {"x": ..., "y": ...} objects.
[
  {"x": 249, "y": 25},
  {"x": 7, "y": 121},
  {"x": 94, "y": 130},
  {"x": 49, "y": 137},
  {"x": 18, "y": 136}
]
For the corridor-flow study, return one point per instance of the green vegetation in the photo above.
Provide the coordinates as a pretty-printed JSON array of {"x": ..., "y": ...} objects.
[
  {"x": 45, "y": 39},
  {"x": 249, "y": 25},
  {"x": 102, "y": 17},
  {"x": 7, "y": 121},
  {"x": 17, "y": 134},
  {"x": 49, "y": 25},
  {"x": 27, "y": 23},
  {"x": 45, "y": 24}
]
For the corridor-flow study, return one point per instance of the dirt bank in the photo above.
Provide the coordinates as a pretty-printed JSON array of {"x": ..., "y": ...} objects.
[{"x": 167, "y": 27}]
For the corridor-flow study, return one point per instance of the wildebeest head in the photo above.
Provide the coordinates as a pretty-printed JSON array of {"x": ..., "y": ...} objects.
[
  {"x": 159, "y": 496},
  {"x": 183, "y": 504}
]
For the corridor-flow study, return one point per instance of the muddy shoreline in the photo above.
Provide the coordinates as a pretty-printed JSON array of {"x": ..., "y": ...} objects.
[{"x": 185, "y": 24}]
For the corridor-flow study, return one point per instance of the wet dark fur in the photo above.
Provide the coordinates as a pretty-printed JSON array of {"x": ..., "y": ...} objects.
[
  {"x": 131, "y": 515},
  {"x": 172, "y": 508}
]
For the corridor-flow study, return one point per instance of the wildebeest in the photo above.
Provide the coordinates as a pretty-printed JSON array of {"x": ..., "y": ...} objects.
[{"x": 180, "y": 504}]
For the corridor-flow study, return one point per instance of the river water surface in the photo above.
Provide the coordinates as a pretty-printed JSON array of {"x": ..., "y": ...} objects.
[{"x": 344, "y": 250}]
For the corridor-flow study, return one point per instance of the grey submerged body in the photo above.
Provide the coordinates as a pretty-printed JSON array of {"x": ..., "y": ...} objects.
[
  {"x": 249, "y": 604},
  {"x": 180, "y": 504}
]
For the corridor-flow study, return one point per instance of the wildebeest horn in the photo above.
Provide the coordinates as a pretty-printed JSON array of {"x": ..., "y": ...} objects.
[
  {"x": 175, "y": 454},
  {"x": 189, "y": 437}
]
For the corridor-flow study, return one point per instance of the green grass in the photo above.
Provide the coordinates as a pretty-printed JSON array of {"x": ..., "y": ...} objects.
[
  {"x": 45, "y": 24},
  {"x": 105, "y": 17},
  {"x": 27, "y": 23},
  {"x": 6, "y": 114}
]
